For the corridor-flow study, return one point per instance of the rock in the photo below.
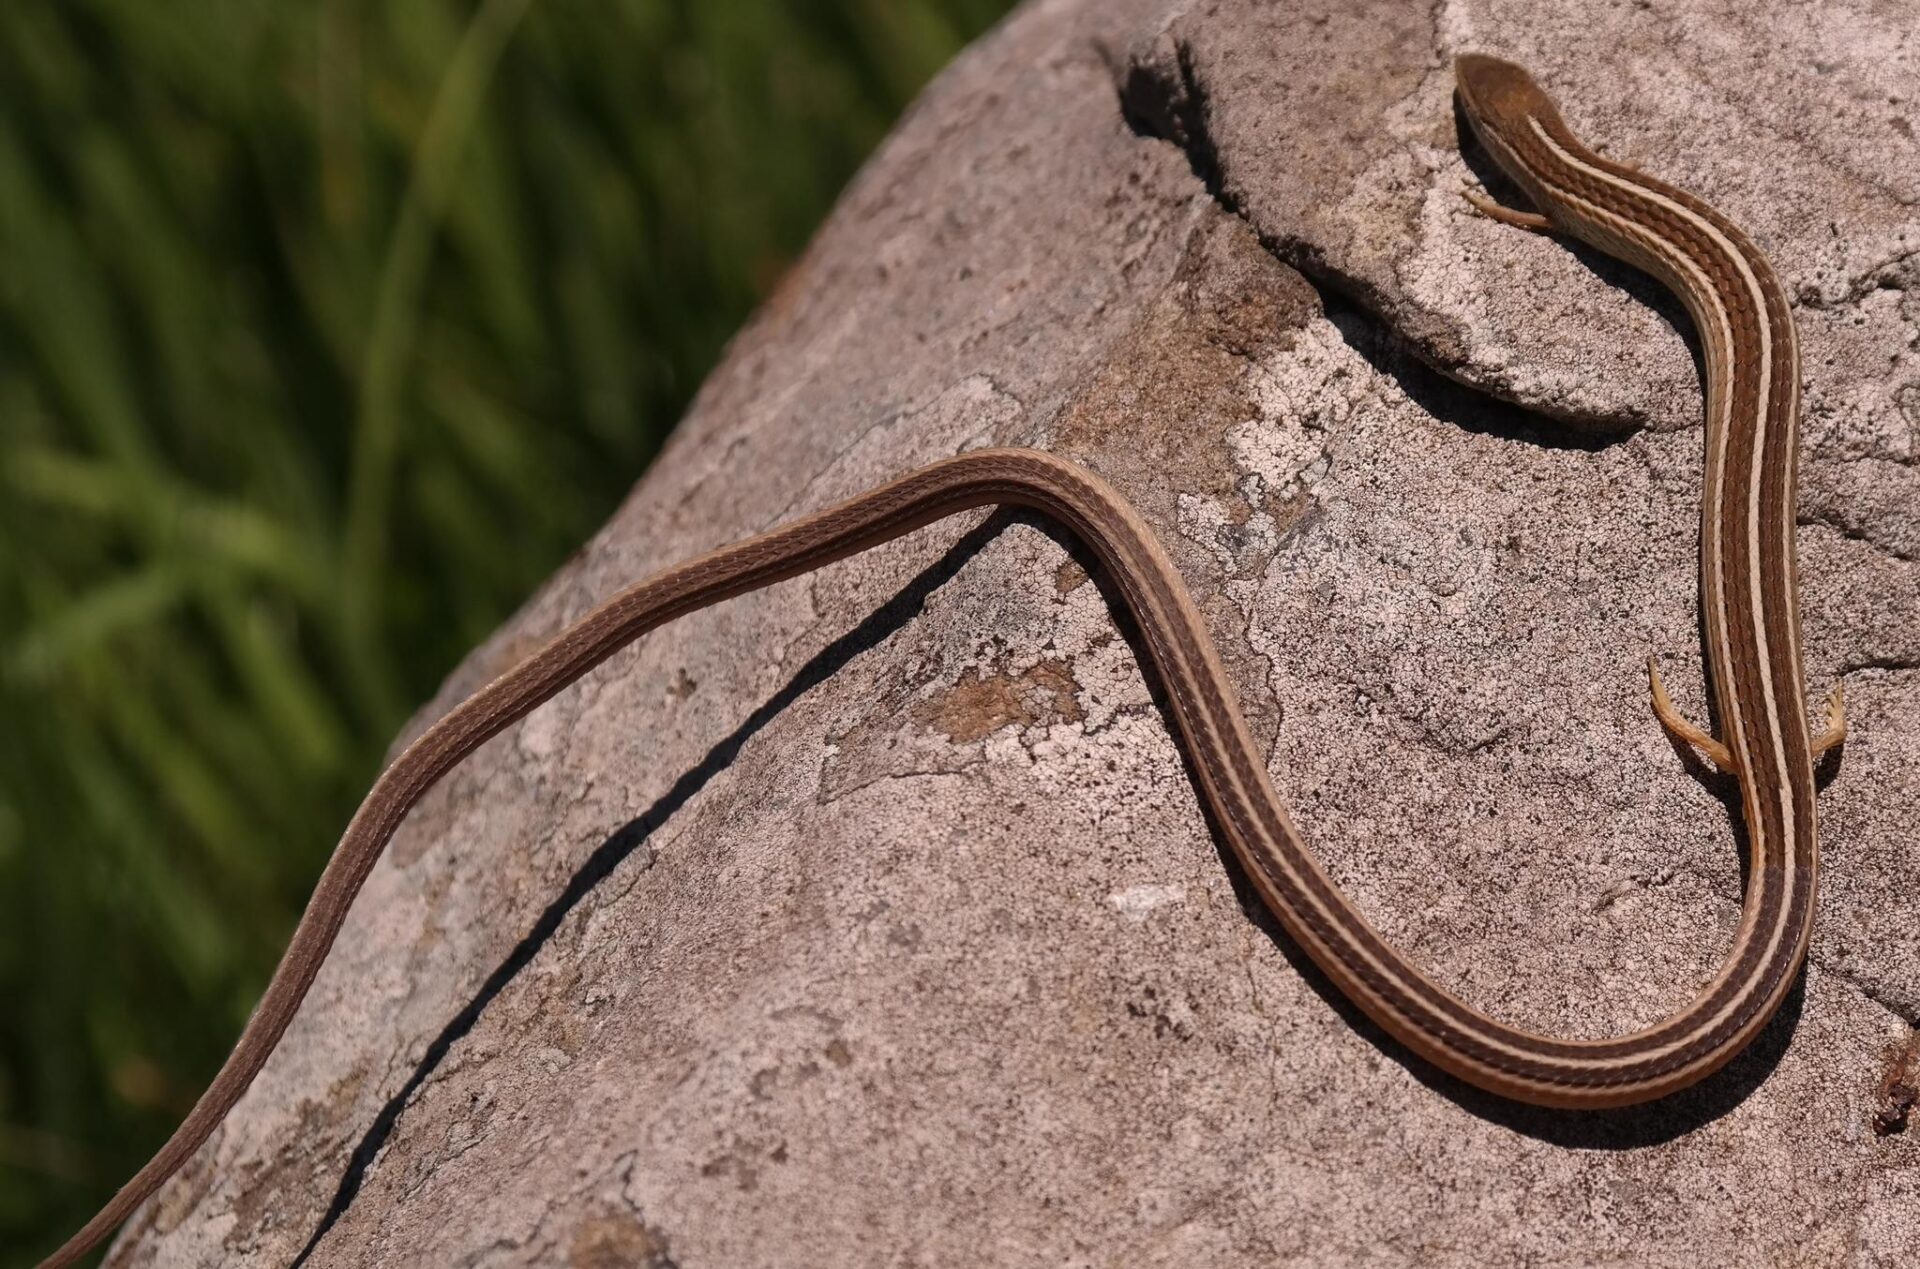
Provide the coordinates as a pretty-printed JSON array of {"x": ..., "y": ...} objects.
[{"x": 873, "y": 919}]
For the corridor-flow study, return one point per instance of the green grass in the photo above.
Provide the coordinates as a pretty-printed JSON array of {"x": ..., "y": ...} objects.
[{"x": 327, "y": 329}]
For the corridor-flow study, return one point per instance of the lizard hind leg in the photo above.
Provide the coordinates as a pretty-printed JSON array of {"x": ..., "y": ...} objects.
[
  {"x": 1506, "y": 215},
  {"x": 1836, "y": 732},
  {"x": 1681, "y": 729}
]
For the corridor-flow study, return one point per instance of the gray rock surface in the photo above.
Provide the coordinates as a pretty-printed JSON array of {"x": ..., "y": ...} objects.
[{"x": 872, "y": 920}]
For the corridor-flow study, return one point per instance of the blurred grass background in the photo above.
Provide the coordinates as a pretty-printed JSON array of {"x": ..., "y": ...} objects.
[{"x": 327, "y": 329}]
